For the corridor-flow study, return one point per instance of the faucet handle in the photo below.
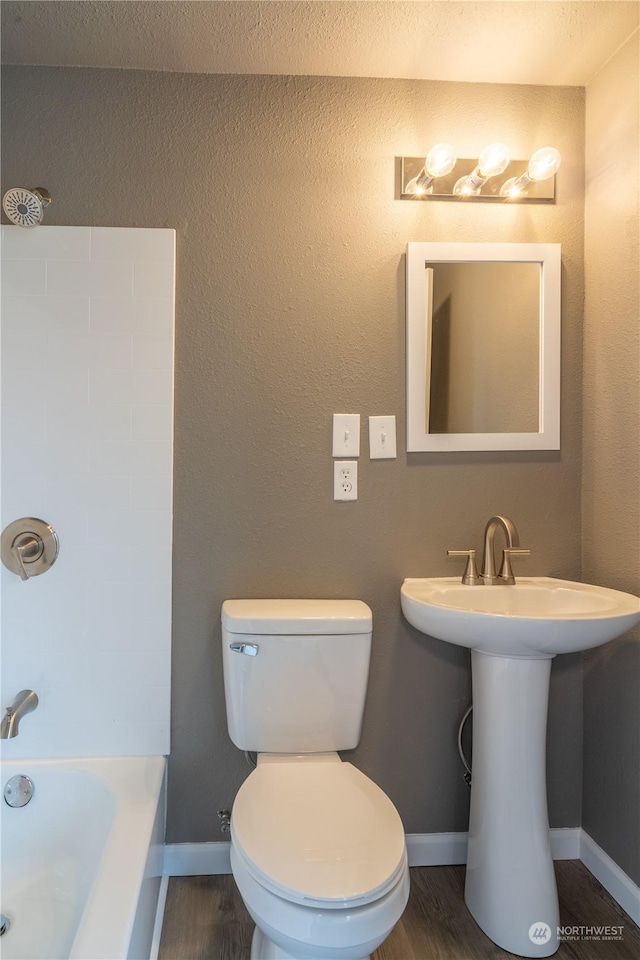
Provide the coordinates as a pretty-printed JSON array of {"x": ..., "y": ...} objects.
[
  {"x": 506, "y": 573},
  {"x": 21, "y": 547},
  {"x": 470, "y": 576}
]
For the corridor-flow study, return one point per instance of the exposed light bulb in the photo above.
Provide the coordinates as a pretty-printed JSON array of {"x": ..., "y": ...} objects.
[
  {"x": 415, "y": 189},
  {"x": 544, "y": 163},
  {"x": 493, "y": 160},
  {"x": 440, "y": 160},
  {"x": 468, "y": 186},
  {"x": 511, "y": 189}
]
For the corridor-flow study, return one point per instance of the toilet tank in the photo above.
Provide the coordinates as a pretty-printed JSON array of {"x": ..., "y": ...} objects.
[{"x": 295, "y": 673}]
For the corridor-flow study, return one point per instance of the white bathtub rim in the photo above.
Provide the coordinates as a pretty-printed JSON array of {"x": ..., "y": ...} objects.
[
  {"x": 159, "y": 919},
  {"x": 136, "y": 783},
  {"x": 106, "y": 928}
]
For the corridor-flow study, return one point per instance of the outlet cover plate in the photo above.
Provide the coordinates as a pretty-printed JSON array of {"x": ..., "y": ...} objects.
[{"x": 345, "y": 480}]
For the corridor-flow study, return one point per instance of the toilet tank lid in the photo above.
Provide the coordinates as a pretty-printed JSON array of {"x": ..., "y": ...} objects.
[{"x": 296, "y": 617}]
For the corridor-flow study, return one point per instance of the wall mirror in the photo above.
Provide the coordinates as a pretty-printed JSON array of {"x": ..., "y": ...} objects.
[{"x": 483, "y": 346}]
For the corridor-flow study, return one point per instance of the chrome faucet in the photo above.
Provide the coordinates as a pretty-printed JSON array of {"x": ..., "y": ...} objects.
[
  {"x": 488, "y": 576},
  {"x": 25, "y": 702}
]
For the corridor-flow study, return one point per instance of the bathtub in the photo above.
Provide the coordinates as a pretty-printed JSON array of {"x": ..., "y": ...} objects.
[{"x": 82, "y": 861}]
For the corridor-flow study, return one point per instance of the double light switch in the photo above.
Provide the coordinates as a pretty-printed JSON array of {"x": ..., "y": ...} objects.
[{"x": 346, "y": 436}]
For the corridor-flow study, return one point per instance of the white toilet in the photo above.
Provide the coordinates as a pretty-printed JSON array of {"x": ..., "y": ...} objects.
[{"x": 317, "y": 849}]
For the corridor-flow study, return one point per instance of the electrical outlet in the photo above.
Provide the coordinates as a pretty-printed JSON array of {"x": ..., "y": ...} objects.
[{"x": 345, "y": 480}]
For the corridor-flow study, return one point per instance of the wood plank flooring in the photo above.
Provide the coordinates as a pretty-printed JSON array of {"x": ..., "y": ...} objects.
[{"x": 205, "y": 919}]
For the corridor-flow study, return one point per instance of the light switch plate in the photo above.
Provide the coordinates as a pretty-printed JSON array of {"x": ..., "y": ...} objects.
[
  {"x": 346, "y": 435},
  {"x": 382, "y": 438}
]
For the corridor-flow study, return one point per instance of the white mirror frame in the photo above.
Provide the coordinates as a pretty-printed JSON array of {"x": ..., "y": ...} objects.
[{"x": 419, "y": 255}]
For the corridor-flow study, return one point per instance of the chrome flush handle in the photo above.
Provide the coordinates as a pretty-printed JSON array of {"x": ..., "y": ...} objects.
[{"x": 249, "y": 649}]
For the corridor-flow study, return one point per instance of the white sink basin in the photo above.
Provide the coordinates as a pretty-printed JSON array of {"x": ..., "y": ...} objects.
[{"x": 537, "y": 617}]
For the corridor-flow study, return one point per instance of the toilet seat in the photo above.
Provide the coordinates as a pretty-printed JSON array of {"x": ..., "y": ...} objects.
[{"x": 318, "y": 832}]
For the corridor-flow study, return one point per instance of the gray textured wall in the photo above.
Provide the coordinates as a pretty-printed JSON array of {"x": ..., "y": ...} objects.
[
  {"x": 611, "y": 505},
  {"x": 290, "y": 307}
]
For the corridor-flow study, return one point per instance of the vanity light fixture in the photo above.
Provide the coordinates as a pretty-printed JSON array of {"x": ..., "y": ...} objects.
[
  {"x": 493, "y": 160},
  {"x": 491, "y": 178},
  {"x": 440, "y": 161},
  {"x": 543, "y": 164}
]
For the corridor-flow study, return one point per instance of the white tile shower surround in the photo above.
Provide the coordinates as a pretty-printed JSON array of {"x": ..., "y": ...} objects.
[{"x": 87, "y": 422}]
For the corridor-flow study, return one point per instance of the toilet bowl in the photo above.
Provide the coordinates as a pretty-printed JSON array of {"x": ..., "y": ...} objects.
[
  {"x": 318, "y": 850},
  {"x": 319, "y": 857},
  {"x": 284, "y": 931}
]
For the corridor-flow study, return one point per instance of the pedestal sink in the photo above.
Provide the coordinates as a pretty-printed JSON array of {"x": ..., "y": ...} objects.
[{"x": 514, "y": 632}]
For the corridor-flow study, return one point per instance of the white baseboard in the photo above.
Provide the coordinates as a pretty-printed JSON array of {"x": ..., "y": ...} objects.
[
  {"x": 434, "y": 850},
  {"x": 607, "y": 872},
  {"x": 442, "y": 849},
  {"x": 565, "y": 843},
  {"x": 196, "y": 859},
  {"x": 424, "y": 849}
]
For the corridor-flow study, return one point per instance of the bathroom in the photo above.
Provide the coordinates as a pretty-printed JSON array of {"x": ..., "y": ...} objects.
[{"x": 274, "y": 161}]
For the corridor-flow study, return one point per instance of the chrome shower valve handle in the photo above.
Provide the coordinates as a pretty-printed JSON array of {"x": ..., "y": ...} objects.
[
  {"x": 25, "y": 548},
  {"x": 29, "y": 547}
]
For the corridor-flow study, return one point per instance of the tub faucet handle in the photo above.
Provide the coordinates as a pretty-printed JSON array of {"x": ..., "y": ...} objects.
[
  {"x": 22, "y": 550},
  {"x": 470, "y": 576},
  {"x": 29, "y": 547}
]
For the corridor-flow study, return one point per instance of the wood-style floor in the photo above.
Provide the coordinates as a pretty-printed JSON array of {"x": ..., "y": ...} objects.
[{"x": 205, "y": 919}]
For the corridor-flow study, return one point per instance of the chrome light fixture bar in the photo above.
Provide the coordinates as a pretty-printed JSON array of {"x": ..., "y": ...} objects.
[{"x": 492, "y": 177}]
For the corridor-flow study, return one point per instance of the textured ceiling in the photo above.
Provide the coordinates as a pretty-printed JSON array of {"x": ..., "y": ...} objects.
[{"x": 549, "y": 42}]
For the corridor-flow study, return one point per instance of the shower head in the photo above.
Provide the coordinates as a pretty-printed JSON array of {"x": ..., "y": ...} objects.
[{"x": 26, "y": 207}]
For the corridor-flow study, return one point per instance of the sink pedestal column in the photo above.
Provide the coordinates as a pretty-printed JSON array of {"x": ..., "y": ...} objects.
[{"x": 510, "y": 883}]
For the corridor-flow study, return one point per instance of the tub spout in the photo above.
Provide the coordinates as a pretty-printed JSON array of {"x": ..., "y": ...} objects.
[{"x": 25, "y": 702}]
